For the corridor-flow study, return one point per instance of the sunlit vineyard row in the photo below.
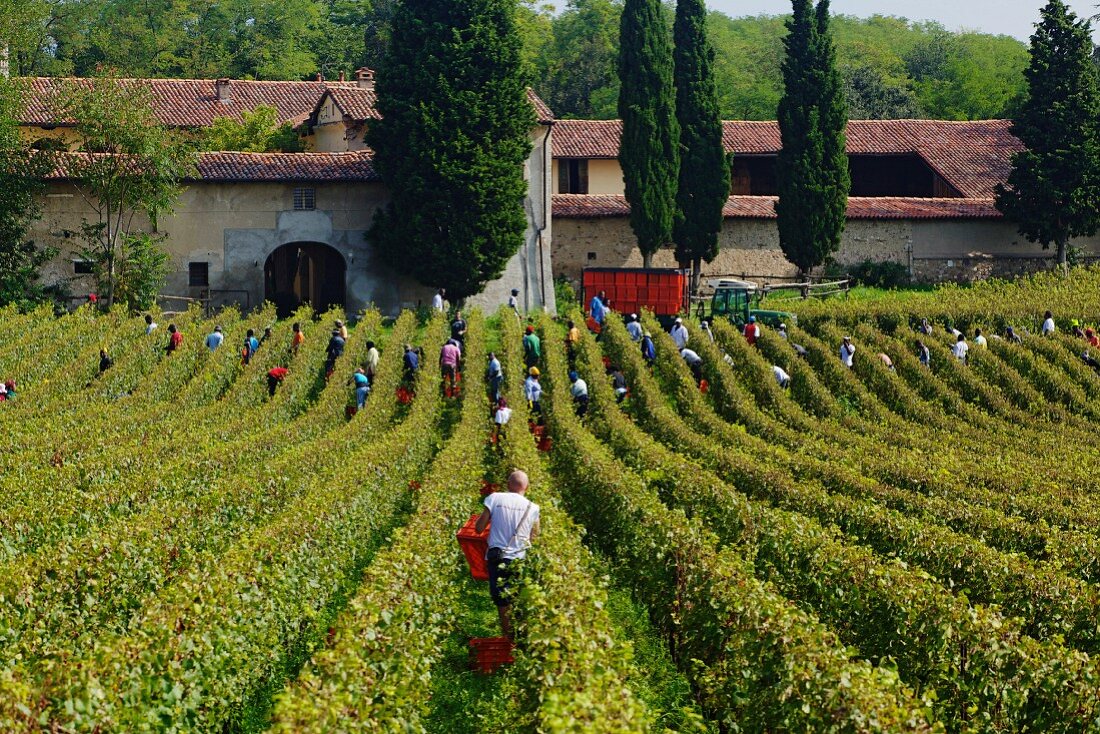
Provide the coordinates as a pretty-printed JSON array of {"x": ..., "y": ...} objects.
[{"x": 193, "y": 542}]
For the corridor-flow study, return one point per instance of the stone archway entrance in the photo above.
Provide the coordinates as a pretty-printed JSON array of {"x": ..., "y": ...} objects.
[{"x": 305, "y": 272}]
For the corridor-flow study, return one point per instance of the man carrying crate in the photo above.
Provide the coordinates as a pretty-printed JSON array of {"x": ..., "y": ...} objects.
[{"x": 513, "y": 522}]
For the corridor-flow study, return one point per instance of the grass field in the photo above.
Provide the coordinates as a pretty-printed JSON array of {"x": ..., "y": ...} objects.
[{"x": 870, "y": 550}]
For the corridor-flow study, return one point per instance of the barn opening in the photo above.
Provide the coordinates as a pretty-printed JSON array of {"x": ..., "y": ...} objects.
[{"x": 305, "y": 272}]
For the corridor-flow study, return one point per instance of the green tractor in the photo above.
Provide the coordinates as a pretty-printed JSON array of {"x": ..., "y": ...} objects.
[{"x": 737, "y": 300}]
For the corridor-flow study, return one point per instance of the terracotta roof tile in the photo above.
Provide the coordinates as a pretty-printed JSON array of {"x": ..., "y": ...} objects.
[
  {"x": 971, "y": 156},
  {"x": 265, "y": 167},
  {"x": 190, "y": 102},
  {"x": 584, "y": 206},
  {"x": 194, "y": 102},
  {"x": 357, "y": 104}
]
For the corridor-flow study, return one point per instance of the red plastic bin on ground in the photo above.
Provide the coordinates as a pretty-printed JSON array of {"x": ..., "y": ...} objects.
[
  {"x": 487, "y": 654},
  {"x": 474, "y": 546}
]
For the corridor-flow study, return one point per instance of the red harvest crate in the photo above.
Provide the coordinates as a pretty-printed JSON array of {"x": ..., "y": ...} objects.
[
  {"x": 487, "y": 654},
  {"x": 474, "y": 546}
]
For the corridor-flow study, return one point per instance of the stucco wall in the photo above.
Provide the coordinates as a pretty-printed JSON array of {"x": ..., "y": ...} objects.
[
  {"x": 605, "y": 176},
  {"x": 235, "y": 227}
]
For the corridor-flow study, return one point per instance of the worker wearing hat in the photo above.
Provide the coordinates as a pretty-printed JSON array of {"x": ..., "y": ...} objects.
[
  {"x": 215, "y": 338},
  {"x": 679, "y": 333},
  {"x": 752, "y": 331},
  {"x": 532, "y": 348},
  {"x": 532, "y": 390},
  {"x": 847, "y": 352},
  {"x": 634, "y": 327}
]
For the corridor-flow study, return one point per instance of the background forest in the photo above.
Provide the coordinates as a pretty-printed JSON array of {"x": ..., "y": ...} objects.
[{"x": 891, "y": 67}]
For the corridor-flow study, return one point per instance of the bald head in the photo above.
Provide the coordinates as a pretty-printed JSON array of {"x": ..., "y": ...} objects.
[{"x": 518, "y": 481}]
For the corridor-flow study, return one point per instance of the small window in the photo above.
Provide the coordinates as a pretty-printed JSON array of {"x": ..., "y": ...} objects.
[
  {"x": 82, "y": 267},
  {"x": 305, "y": 200},
  {"x": 591, "y": 256},
  {"x": 198, "y": 275},
  {"x": 573, "y": 176}
]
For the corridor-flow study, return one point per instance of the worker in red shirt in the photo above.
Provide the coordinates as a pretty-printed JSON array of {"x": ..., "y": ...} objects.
[
  {"x": 275, "y": 375},
  {"x": 175, "y": 339},
  {"x": 752, "y": 331}
]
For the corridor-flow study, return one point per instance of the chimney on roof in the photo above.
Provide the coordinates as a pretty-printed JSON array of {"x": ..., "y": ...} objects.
[
  {"x": 222, "y": 85},
  {"x": 320, "y": 77},
  {"x": 343, "y": 76},
  {"x": 364, "y": 77}
]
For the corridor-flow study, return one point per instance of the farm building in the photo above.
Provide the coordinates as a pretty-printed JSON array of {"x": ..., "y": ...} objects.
[
  {"x": 922, "y": 196},
  {"x": 289, "y": 227},
  {"x": 284, "y": 227}
]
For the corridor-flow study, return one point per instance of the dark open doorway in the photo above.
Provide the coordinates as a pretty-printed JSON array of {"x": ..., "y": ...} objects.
[{"x": 304, "y": 272}]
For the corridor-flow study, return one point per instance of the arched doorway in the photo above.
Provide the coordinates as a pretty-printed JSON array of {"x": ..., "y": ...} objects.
[{"x": 304, "y": 272}]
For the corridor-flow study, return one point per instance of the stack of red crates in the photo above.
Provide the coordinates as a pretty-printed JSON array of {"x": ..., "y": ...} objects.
[
  {"x": 630, "y": 290},
  {"x": 487, "y": 654}
]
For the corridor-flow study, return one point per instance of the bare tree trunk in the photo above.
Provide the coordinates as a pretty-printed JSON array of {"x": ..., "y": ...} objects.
[
  {"x": 696, "y": 275},
  {"x": 1063, "y": 254},
  {"x": 647, "y": 259}
]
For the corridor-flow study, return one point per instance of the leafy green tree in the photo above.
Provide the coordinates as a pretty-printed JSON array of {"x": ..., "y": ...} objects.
[
  {"x": 132, "y": 177},
  {"x": 649, "y": 150},
  {"x": 577, "y": 68},
  {"x": 22, "y": 171},
  {"x": 1053, "y": 191},
  {"x": 812, "y": 168},
  {"x": 257, "y": 131},
  {"x": 870, "y": 95},
  {"x": 704, "y": 182},
  {"x": 451, "y": 144}
]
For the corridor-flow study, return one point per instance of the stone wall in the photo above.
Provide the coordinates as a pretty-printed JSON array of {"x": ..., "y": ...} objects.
[
  {"x": 748, "y": 247},
  {"x": 935, "y": 250}
]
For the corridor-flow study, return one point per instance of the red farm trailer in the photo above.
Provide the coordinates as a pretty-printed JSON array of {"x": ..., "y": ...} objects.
[{"x": 664, "y": 291}]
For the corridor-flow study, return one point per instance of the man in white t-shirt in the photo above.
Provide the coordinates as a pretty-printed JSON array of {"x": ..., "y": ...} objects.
[
  {"x": 437, "y": 299},
  {"x": 1048, "y": 324},
  {"x": 781, "y": 376},
  {"x": 980, "y": 339},
  {"x": 961, "y": 348},
  {"x": 513, "y": 522},
  {"x": 847, "y": 351}
]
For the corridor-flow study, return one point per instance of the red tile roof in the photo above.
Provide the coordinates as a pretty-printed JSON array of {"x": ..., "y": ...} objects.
[
  {"x": 265, "y": 167},
  {"x": 585, "y": 206},
  {"x": 189, "y": 102},
  {"x": 194, "y": 102},
  {"x": 357, "y": 104},
  {"x": 971, "y": 156}
]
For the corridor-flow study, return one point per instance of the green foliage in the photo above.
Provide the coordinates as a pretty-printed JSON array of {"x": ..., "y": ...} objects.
[
  {"x": 1054, "y": 186},
  {"x": 21, "y": 181},
  {"x": 565, "y": 295},
  {"x": 454, "y": 135},
  {"x": 577, "y": 68},
  {"x": 704, "y": 180},
  {"x": 649, "y": 152},
  {"x": 258, "y": 131},
  {"x": 871, "y": 273},
  {"x": 140, "y": 267},
  {"x": 128, "y": 188},
  {"x": 812, "y": 168}
]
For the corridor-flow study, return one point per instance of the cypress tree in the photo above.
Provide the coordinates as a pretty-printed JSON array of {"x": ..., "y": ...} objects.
[
  {"x": 812, "y": 169},
  {"x": 704, "y": 181},
  {"x": 1053, "y": 190},
  {"x": 649, "y": 152},
  {"x": 451, "y": 144}
]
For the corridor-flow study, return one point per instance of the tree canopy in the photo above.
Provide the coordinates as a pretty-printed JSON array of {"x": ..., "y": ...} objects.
[
  {"x": 649, "y": 151},
  {"x": 452, "y": 141},
  {"x": 1053, "y": 190},
  {"x": 892, "y": 67}
]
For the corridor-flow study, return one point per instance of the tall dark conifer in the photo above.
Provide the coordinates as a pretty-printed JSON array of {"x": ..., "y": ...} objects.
[
  {"x": 812, "y": 169},
  {"x": 704, "y": 181},
  {"x": 451, "y": 144},
  {"x": 649, "y": 151},
  {"x": 1053, "y": 191}
]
